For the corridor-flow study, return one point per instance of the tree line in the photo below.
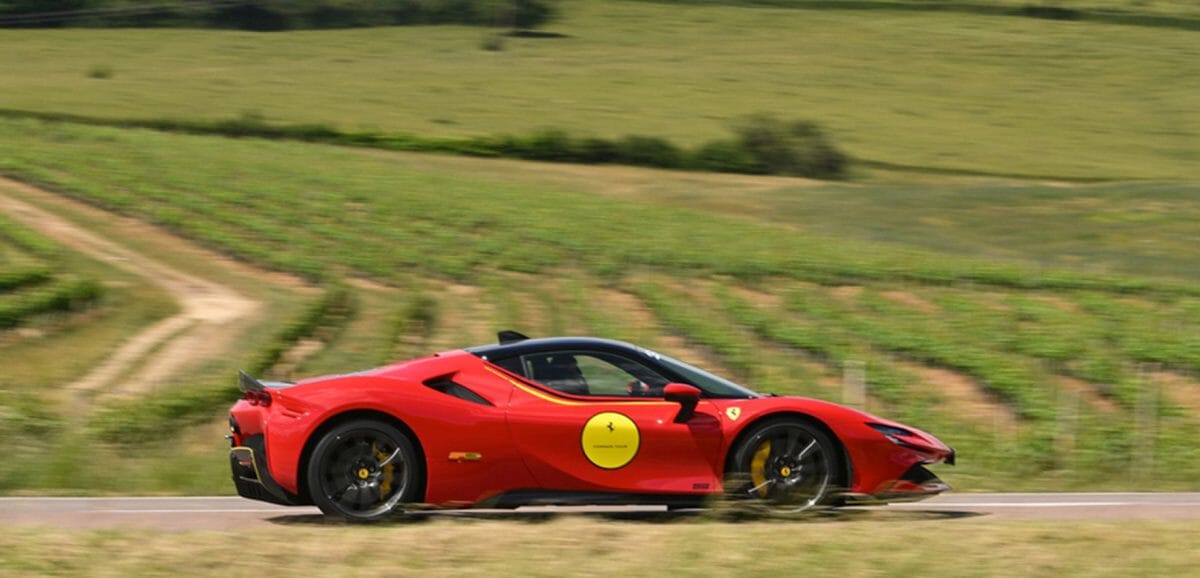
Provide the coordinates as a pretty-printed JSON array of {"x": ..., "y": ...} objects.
[{"x": 270, "y": 15}]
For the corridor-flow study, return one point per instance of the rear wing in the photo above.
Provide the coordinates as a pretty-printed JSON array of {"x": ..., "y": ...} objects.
[{"x": 250, "y": 385}]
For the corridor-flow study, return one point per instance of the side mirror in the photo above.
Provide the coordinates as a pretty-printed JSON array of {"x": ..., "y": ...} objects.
[{"x": 687, "y": 396}]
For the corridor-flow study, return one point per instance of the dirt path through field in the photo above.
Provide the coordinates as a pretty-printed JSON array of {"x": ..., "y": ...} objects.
[{"x": 202, "y": 328}]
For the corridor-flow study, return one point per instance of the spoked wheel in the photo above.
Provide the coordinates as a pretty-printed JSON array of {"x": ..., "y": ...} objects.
[
  {"x": 788, "y": 466},
  {"x": 363, "y": 470}
]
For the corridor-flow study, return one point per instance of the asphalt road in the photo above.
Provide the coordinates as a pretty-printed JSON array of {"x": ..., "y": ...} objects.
[{"x": 230, "y": 513}]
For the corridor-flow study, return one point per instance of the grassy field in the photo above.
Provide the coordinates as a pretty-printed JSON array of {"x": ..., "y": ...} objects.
[
  {"x": 933, "y": 90},
  {"x": 576, "y": 546},
  {"x": 1142, "y": 229},
  {"x": 34, "y": 281},
  {"x": 1166, "y": 8},
  {"x": 1046, "y": 327},
  {"x": 1050, "y": 377},
  {"x": 70, "y": 310},
  {"x": 52, "y": 446}
]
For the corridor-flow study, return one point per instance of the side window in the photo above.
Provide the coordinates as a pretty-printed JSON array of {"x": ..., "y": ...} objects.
[
  {"x": 512, "y": 364},
  {"x": 593, "y": 373}
]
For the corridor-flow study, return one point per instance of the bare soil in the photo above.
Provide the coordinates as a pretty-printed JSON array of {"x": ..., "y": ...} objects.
[
  {"x": 293, "y": 357},
  {"x": 1060, "y": 302},
  {"x": 1181, "y": 389},
  {"x": 211, "y": 314},
  {"x": 464, "y": 318},
  {"x": 759, "y": 298},
  {"x": 633, "y": 311},
  {"x": 966, "y": 398},
  {"x": 912, "y": 300},
  {"x": 846, "y": 293},
  {"x": 1088, "y": 393}
]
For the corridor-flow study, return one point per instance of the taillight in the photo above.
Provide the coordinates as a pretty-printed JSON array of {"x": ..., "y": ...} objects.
[
  {"x": 258, "y": 398},
  {"x": 235, "y": 433}
]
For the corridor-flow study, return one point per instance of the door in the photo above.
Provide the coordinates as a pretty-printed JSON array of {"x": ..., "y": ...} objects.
[{"x": 599, "y": 423}]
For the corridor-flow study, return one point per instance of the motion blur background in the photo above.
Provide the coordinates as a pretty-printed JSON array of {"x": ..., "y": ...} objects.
[{"x": 978, "y": 217}]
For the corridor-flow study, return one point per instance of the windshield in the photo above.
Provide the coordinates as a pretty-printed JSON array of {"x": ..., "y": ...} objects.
[{"x": 713, "y": 385}]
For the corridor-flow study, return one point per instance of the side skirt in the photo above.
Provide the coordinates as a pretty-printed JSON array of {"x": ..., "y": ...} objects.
[{"x": 518, "y": 498}]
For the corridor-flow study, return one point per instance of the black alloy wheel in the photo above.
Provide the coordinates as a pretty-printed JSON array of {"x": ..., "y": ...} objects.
[
  {"x": 786, "y": 465},
  {"x": 363, "y": 470}
]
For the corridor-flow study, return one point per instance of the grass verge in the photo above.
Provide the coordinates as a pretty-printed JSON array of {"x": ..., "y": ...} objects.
[{"x": 579, "y": 546}]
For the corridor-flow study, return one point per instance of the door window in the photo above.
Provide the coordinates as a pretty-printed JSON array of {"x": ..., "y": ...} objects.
[{"x": 593, "y": 373}]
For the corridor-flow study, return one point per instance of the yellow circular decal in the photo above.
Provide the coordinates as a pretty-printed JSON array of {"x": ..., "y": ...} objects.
[{"x": 610, "y": 440}]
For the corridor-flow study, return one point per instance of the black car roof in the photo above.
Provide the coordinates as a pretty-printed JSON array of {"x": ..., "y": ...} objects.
[
  {"x": 513, "y": 344},
  {"x": 504, "y": 350}
]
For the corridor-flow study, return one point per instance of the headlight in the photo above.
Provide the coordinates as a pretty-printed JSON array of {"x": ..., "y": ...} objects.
[
  {"x": 929, "y": 449},
  {"x": 893, "y": 434}
]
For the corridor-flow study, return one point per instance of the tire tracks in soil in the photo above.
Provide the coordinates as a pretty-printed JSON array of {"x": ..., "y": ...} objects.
[{"x": 207, "y": 323}]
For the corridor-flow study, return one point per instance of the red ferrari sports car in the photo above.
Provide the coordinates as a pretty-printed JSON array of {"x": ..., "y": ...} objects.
[{"x": 566, "y": 420}]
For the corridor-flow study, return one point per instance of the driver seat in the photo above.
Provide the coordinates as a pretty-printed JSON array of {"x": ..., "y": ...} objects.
[{"x": 560, "y": 372}]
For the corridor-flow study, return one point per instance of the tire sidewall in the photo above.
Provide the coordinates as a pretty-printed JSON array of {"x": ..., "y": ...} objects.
[
  {"x": 738, "y": 466},
  {"x": 412, "y": 471}
]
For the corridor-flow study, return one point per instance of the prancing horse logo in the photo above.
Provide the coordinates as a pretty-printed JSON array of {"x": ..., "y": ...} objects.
[
  {"x": 610, "y": 440},
  {"x": 733, "y": 413}
]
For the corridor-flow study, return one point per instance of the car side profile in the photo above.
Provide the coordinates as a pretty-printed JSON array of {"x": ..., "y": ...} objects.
[{"x": 565, "y": 420}]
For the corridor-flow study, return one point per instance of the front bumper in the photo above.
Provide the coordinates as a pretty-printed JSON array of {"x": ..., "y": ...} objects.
[
  {"x": 917, "y": 483},
  {"x": 252, "y": 478}
]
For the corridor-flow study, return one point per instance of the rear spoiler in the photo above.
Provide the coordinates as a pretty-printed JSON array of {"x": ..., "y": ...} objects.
[{"x": 249, "y": 384}]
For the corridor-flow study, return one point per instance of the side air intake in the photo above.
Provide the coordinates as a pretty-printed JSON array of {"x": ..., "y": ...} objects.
[{"x": 454, "y": 389}]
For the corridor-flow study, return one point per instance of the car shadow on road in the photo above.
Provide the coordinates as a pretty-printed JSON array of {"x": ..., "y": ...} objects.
[{"x": 859, "y": 514}]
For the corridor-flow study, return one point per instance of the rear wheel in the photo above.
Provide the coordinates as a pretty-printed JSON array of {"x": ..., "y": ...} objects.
[
  {"x": 363, "y": 470},
  {"x": 785, "y": 465}
]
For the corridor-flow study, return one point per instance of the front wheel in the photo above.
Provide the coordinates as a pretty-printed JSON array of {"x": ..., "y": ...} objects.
[
  {"x": 363, "y": 470},
  {"x": 786, "y": 465}
]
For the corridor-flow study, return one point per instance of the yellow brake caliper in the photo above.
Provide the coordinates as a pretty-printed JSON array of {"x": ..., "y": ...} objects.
[
  {"x": 385, "y": 482},
  {"x": 758, "y": 468}
]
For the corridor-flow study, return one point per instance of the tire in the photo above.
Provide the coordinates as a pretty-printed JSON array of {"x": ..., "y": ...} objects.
[
  {"x": 785, "y": 466},
  {"x": 363, "y": 470}
]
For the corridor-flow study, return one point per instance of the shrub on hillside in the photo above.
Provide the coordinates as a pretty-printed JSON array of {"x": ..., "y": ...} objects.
[
  {"x": 763, "y": 145},
  {"x": 34, "y": 7},
  {"x": 649, "y": 151},
  {"x": 1050, "y": 12},
  {"x": 797, "y": 147},
  {"x": 100, "y": 72},
  {"x": 558, "y": 146},
  {"x": 598, "y": 151},
  {"x": 545, "y": 145},
  {"x": 724, "y": 156},
  {"x": 260, "y": 16},
  {"x": 532, "y": 13}
]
